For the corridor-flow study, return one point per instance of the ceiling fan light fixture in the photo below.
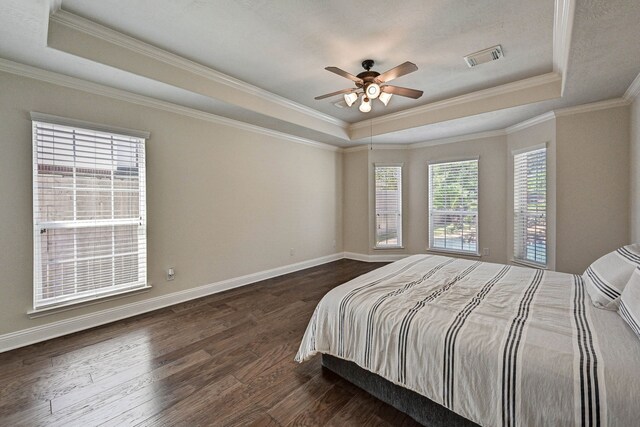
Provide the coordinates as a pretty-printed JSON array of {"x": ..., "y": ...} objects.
[
  {"x": 385, "y": 97},
  {"x": 371, "y": 85},
  {"x": 373, "y": 90},
  {"x": 350, "y": 98},
  {"x": 365, "y": 105}
]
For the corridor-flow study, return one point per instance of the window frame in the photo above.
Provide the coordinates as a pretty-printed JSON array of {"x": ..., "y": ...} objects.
[
  {"x": 400, "y": 210},
  {"x": 42, "y": 307},
  {"x": 430, "y": 235},
  {"x": 514, "y": 257}
]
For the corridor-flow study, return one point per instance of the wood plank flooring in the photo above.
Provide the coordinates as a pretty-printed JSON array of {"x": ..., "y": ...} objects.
[{"x": 222, "y": 360}]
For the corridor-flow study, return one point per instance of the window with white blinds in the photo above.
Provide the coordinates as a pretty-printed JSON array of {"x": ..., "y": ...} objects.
[
  {"x": 530, "y": 207},
  {"x": 89, "y": 214},
  {"x": 453, "y": 206},
  {"x": 388, "y": 200}
]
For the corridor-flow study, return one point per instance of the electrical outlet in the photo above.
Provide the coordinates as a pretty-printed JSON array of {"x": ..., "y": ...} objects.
[
  {"x": 485, "y": 252},
  {"x": 334, "y": 244},
  {"x": 171, "y": 273},
  {"x": 292, "y": 252}
]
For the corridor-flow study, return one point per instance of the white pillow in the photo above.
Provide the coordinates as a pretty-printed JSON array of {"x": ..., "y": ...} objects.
[
  {"x": 608, "y": 275},
  {"x": 630, "y": 302}
]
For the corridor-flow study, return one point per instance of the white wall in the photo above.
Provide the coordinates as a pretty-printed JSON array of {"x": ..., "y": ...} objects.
[
  {"x": 592, "y": 186},
  {"x": 635, "y": 172},
  {"x": 222, "y": 202}
]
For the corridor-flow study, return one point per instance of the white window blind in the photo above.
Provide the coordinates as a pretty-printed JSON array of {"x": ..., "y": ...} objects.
[
  {"x": 530, "y": 206},
  {"x": 388, "y": 198},
  {"x": 453, "y": 206},
  {"x": 89, "y": 214}
]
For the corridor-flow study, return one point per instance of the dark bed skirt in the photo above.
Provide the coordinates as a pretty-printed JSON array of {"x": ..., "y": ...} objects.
[{"x": 418, "y": 407}]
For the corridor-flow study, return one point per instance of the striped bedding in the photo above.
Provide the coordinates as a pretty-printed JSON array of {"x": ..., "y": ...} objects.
[{"x": 500, "y": 345}]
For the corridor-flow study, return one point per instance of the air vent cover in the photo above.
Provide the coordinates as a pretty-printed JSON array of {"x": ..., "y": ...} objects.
[{"x": 487, "y": 55}]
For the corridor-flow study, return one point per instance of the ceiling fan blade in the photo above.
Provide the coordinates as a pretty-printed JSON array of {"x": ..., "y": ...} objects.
[
  {"x": 328, "y": 95},
  {"x": 394, "y": 73},
  {"x": 402, "y": 91},
  {"x": 343, "y": 73}
]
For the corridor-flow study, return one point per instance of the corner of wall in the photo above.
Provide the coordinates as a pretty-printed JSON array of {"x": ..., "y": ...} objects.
[{"x": 634, "y": 148}]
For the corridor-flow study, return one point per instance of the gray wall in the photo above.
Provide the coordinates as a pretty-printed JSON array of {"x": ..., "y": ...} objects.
[
  {"x": 225, "y": 202},
  {"x": 592, "y": 186},
  {"x": 588, "y": 193},
  {"x": 359, "y": 210},
  {"x": 222, "y": 202},
  {"x": 635, "y": 171}
]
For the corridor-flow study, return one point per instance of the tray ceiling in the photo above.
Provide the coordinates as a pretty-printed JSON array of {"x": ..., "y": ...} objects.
[{"x": 278, "y": 50}]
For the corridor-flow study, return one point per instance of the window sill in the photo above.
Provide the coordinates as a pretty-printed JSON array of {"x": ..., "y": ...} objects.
[
  {"x": 72, "y": 305},
  {"x": 528, "y": 264},
  {"x": 451, "y": 252}
]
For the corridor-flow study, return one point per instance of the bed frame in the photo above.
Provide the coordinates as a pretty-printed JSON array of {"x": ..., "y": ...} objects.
[{"x": 418, "y": 407}]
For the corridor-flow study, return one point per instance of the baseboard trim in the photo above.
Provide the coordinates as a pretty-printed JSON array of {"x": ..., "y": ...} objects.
[
  {"x": 52, "y": 330},
  {"x": 374, "y": 258}
]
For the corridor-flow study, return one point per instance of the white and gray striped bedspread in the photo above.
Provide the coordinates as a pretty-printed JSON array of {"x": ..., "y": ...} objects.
[{"x": 499, "y": 345}]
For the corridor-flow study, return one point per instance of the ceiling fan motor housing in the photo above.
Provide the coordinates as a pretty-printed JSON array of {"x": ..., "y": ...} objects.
[{"x": 368, "y": 76}]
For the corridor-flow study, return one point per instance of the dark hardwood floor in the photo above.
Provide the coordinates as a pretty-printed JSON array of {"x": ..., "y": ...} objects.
[{"x": 226, "y": 359}]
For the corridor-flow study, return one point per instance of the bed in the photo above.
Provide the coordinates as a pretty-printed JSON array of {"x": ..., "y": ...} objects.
[{"x": 498, "y": 345}]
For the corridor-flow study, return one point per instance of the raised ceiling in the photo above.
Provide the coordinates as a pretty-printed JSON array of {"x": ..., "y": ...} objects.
[
  {"x": 283, "y": 46},
  {"x": 280, "y": 49}
]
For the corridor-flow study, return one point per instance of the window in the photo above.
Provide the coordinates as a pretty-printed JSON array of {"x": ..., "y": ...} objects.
[
  {"x": 453, "y": 206},
  {"x": 89, "y": 213},
  {"x": 388, "y": 196},
  {"x": 530, "y": 207}
]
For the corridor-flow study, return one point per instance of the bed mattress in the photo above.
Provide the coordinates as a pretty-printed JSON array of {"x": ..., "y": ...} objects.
[{"x": 500, "y": 345}]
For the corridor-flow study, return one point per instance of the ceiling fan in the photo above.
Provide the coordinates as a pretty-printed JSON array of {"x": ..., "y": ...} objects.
[{"x": 372, "y": 85}]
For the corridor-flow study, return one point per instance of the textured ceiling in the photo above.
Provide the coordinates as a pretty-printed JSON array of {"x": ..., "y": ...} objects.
[{"x": 283, "y": 47}]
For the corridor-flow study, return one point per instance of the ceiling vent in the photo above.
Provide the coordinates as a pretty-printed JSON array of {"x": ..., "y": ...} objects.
[{"x": 486, "y": 55}]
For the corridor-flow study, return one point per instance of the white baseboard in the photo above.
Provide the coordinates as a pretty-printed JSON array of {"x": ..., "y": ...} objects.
[
  {"x": 374, "y": 258},
  {"x": 36, "y": 334}
]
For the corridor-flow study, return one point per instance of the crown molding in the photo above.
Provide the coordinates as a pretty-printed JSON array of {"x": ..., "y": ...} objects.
[
  {"x": 459, "y": 100},
  {"x": 542, "y": 118},
  {"x": 429, "y": 143},
  {"x": 459, "y": 138},
  {"x": 549, "y": 115},
  {"x": 65, "y": 121},
  {"x": 35, "y": 73},
  {"x": 94, "y": 29},
  {"x": 594, "y": 106},
  {"x": 121, "y": 95},
  {"x": 355, "y": 148},
  {"x": 521, "y": 92},
  {"x": 365, "y": 147},
  {"x": 562, "y": 30},
  {"x": 633, "y": 90}
]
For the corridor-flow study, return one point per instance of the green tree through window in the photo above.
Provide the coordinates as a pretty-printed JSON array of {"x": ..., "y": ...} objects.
[{"x": 453, "y": 206}]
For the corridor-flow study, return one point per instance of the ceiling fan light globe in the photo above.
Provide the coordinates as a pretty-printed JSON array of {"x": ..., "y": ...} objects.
[
  {"x": 365, "y": 105},
  {"x": 373, "y": 90},
  {"x": 350, "y": 98},
  {"x": 385, "y": 97}
]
